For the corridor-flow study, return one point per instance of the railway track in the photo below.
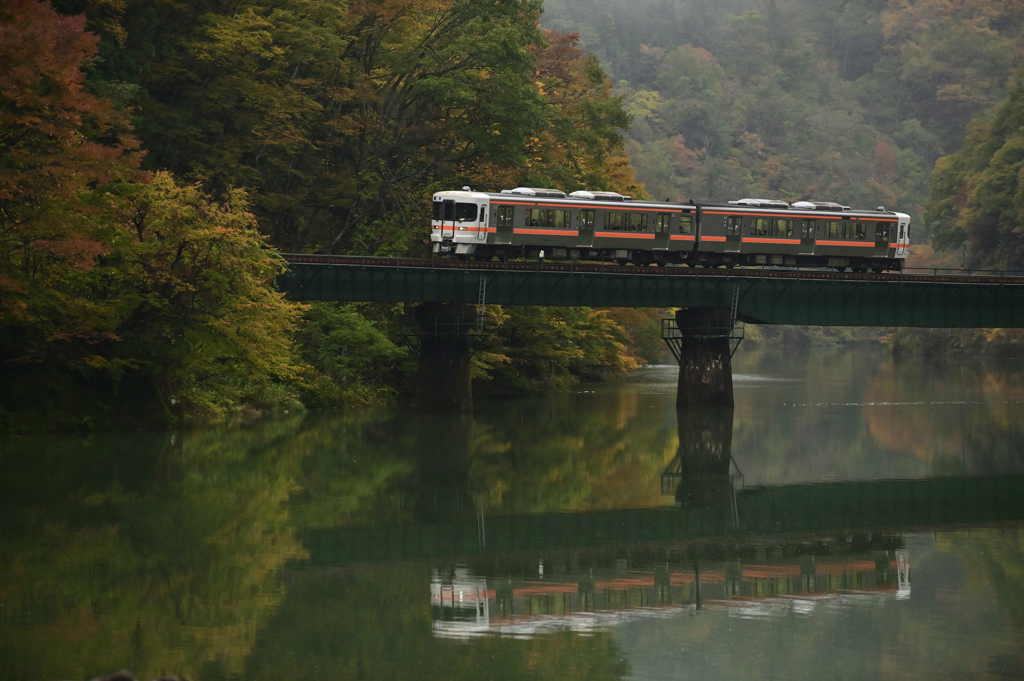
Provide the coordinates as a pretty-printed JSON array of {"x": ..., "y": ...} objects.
[{"x": 586, "y": 267}]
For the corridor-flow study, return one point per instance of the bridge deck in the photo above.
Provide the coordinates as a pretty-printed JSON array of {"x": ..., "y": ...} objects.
[{"x": 766, "y": 296}]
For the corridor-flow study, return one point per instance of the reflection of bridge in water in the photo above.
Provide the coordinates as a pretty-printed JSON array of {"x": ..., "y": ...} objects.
[
  {"x": 717, "y": 543},
  {"x": 764, "y": 550},
  {"x": 824, "y": 510}
]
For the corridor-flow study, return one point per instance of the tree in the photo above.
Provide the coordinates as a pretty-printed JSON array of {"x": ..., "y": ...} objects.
[
  {"x": 977, "y": 198},
  {"x": 192, "y": 281},
  {"x": 56, "y": 141}
]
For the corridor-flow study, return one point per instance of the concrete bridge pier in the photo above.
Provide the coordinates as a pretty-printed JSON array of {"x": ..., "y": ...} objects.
[
  {"x": 444, "y": 384},
  {"x": 705, "y": 370}
]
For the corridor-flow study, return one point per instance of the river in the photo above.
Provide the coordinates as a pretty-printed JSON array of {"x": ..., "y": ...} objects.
[{"x": 854, "y": 517}]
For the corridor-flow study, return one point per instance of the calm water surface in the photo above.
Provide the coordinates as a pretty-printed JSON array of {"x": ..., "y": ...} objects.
[{"x": 854, "y": 517}]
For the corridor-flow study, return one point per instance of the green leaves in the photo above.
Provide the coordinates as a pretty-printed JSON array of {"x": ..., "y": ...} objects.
[
  {"x": 192, "y": 281},
  {"x": 977, "y": 199}
]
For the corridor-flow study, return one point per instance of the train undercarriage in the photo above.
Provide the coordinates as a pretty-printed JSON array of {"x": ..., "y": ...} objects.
[{"x": 677, "y": 258}]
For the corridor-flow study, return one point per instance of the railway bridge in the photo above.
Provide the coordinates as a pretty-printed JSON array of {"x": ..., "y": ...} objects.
[{"x": 712, "y": 302}]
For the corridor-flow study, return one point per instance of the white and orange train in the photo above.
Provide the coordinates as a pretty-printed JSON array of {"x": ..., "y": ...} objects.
[{"x": 547, "y": 223}]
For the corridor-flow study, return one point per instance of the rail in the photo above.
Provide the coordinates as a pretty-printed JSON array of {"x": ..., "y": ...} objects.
[{"x": 411, "y": 260}]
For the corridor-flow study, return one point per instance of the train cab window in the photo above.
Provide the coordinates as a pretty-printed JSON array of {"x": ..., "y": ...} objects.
[
  {"x": 834, "y": 229},
  {"x": 733, "y": 224},
  {"x": 685, "y": 224},
  {"x": 662, "y": 221},
  {"x": 438, "y": 210},
  {"x": 807, "y": 229},
  {"x": 613, "y": 221},
  {"x": 636, "y": 222},
  {"x": 587, "y": 220},
  {"x": 466, "y": 212},
  {"x": 504, "y": 216}
]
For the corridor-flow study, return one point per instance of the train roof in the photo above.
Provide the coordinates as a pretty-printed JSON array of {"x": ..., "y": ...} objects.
[{"x": 611, "y": 199}]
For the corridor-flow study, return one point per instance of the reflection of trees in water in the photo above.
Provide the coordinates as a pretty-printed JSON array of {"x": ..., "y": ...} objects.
[
  {"x": 165, "y": 561},
  {"x": 984, "y": 436},
  {"x": 376, "y": 623},
  {"x": 993, "y": 559},
  {"x": 852, "y": 414}
]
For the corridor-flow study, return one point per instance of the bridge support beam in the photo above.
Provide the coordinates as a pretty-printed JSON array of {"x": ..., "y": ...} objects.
[
  {"x": 705, "y": 370},
  {"x": 443, "y": 383}
]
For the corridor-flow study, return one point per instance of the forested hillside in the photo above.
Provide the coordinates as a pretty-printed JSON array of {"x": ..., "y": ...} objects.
[
  {"x": 153, "y": 154},
  {"x": 842, "y": 100}
]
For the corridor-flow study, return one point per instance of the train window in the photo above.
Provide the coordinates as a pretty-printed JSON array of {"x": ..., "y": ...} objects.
[
  {"x": 760, "y": 227},
  {"x": 834, "y": 229},
  {"x": 438, "y": 208},
  {"x": 466, "y": 212},
  {"x": 733, "y": 223},
  {"x": 861, "y": 231},
  {"x": 613, "y": 221},
  {"x": 636, "y": 222},
  {"x": 685, "y": 224},
  {"x": 546, "y": 217},
  {"x": 504, "y": 216},
  {"x": 783, "y": 228},
  {"x": 662, "y": 222},
  {"x": 449, "y": 210},
  {"x": 587, "y": 220},
  {"x": 881, "y": 232},
  {"x": 807, "y": 229}
]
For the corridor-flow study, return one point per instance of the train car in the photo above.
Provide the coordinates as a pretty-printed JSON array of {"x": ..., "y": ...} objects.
[
  {"x": 802, "y": 234},
  {"x": 548, "y": 223}
]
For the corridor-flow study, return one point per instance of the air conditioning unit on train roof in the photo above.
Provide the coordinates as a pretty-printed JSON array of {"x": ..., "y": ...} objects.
[
  {"x": 819, "y": 205},
  {"x": 534, "y": 191},
  {"x": 600, "y": 196},
  {"x": 761, "y": 203}
]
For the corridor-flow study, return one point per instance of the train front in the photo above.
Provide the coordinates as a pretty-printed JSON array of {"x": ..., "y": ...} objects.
[{"x": 459, "y": 222}]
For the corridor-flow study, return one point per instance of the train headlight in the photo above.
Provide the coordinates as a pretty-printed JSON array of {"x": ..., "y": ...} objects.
[{"x": 461, "y": 228}]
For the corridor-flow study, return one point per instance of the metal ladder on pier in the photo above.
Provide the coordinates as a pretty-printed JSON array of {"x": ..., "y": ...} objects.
[{"x": 481, "y": 304}]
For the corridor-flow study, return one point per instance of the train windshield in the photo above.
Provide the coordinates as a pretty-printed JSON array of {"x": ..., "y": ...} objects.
[
  {"x": 465, "y": 212},
  {"x": 449, "y": 210}
]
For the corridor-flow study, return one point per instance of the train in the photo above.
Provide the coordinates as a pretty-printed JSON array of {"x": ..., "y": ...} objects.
[{"x": 535, "y": 223}]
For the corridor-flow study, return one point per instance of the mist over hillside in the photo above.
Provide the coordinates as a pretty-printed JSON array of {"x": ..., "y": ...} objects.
[{"x": 850, "y": 101}]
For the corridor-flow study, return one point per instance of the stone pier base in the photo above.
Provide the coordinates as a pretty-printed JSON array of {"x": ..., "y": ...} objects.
[
  {"x": 443, "y": 383},
  {"x": 705, "y": 372}
]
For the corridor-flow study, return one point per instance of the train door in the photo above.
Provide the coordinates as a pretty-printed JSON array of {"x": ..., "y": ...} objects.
[
  {"x": 882, "y": 238},
  {"x": 448, "y": 220},
  {"x": 503, "y": 224},
  {"x": 662, "y": 231},
  {"x": 807, "y": 236},
  {"x": 586, "y": 235},
  {"x": 481, "y": 232},
  {"x": 733, "y": 233}
]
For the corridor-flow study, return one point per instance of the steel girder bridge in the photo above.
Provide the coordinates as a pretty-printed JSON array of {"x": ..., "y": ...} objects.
[{"x": 761, "y": 296}]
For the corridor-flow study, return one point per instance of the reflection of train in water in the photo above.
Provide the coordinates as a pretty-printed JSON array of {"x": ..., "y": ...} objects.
[
  {"x": 610, "y": 592},
  {"x": 534, "y": 223}
]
